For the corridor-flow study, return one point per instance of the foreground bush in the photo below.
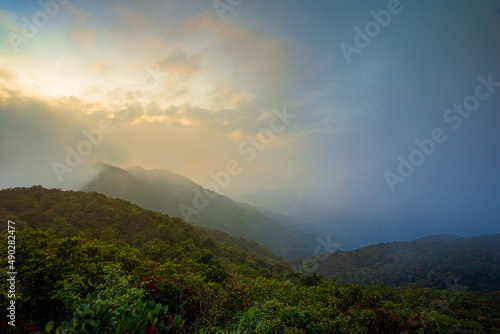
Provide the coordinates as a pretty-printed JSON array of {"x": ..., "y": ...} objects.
[{"x": 77, "y": 285}]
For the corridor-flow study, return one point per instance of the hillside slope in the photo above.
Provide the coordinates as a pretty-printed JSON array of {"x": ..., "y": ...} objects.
[
  {"x": 436, "y": 261},
  {"x": 77, "y": 282},
  {"x": 157, "y": 235},
  {"x": 164, "y": 191}
]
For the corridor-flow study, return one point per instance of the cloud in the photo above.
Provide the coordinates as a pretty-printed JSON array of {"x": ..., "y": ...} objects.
[
  {"x": 34, "y": 134},
  {"x": 5, "y": 22},
  {"x": 100, "y": 68},
  {"x": 227, "y": 98},
  {"x": 241, "y": 57},
  {"x": 78, "y": 16},
  {"x": 235, "y": 135},
  {"x": 6, "y": 75},
  {"x": 186, "y": 139},
  {"x": 84, "y": 36},
  {"x": 215, "y": 85},
  {"x": 179, "y": 64}
]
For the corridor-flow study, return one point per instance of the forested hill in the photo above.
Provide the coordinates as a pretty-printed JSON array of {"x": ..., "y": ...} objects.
[
  {"x": 157, "y": 235},
  {"x": 436, "y": 261},
  {"x": 150, "y": 273},
  {"x": 166, "y": 192}
]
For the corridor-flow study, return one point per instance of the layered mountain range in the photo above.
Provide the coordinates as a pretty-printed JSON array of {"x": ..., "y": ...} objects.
[
  {"x": 444, "y": 261},
  {"x": 176, "y": 195}
]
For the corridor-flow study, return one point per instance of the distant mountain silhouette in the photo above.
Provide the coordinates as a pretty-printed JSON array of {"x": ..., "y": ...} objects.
[
  {"x": 435, "y": 261},
  {"x": 168, "y": 192}
]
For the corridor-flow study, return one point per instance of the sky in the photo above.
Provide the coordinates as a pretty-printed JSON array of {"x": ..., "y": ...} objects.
[{"x": 322, "y": 98}]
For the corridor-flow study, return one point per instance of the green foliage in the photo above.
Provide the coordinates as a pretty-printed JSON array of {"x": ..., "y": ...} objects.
[
  {"x": 211, "y": 269},
  {"x": 180, "y": 296},
  {"x": 54, "y": 273},
  {"x": 441, "y": 324},
  {"x": 96, "y": 317},
  {"x": 310, "y": 280},
  {"x": 163, "y": 191},
  {"x": 323, "y": 308},
  {"x": 159, "y": 237},
  {"x": 88, "y": 318},
  {"x": 118, "y": 290},
  {"x": 78, "y": 284},
  {"x": 148, "y": 317},
  {"x": 455, "y": 263}
]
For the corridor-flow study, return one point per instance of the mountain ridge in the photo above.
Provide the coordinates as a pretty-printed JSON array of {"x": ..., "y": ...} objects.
[
  {"x": 97, "y": 216},
  {"x": 472, "y": 263},
  {"x": 167, "y": 192}
]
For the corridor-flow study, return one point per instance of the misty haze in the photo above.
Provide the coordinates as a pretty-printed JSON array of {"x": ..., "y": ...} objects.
[{"x": 236, "y": 166}]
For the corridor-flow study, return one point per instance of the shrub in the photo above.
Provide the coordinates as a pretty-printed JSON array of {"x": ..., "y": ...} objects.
[
  {"x": 96, "y": 317},
  {"x": 181, "y": 298}
]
